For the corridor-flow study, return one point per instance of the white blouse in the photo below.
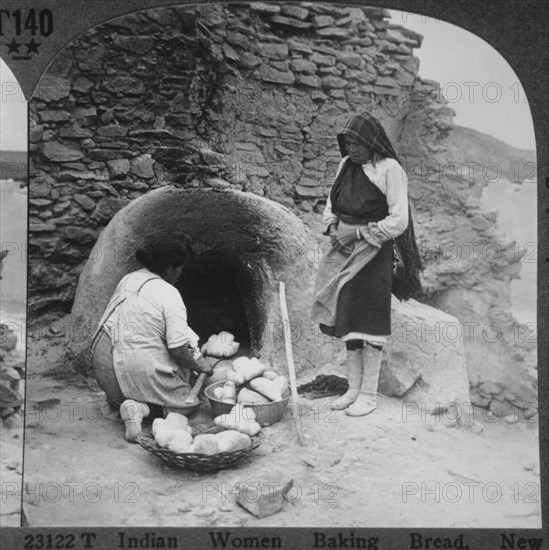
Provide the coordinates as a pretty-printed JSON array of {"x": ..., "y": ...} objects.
[
  {"x": 145, "y": 321},
  {"x": 389, "y": 177}
]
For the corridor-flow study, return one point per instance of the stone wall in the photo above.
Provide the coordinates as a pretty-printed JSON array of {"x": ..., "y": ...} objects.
[
  {"x": 250, "y": 97},
  {"x": 185, "y": 96},
  {"x": 12, "y": 374}
]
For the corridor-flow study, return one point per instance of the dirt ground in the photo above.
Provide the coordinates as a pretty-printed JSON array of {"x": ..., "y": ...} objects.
[
  {"x": 383, "y": 470},
  {"x": 11, "y": 469}
]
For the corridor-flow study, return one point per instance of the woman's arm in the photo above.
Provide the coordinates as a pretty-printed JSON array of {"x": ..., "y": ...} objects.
[
  {"x": 180, "y": 338},
  {"x": 184, "y": 358},
  {"x": 328, "y": 217},
  {"x": 396, "y": 222}
]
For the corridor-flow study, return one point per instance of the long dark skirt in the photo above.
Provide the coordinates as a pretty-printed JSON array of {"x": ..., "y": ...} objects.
[{"x": 364, "y": 303}]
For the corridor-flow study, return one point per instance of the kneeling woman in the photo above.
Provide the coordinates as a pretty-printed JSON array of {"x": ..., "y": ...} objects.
[
  {"x": 366, "y": 213},
  {"x": 144, "y": 351}
]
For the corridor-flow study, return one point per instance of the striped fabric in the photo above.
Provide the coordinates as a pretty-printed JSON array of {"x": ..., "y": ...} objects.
[{"x": 367, "y": 130}]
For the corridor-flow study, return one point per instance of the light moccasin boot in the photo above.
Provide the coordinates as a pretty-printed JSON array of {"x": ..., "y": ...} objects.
[
  {"x": 366, "y": 401},
  {"x": 132, "y": 413},
  {"x": 354, "y": 376}
]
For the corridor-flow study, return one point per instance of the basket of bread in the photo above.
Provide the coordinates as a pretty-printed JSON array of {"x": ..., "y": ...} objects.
[{"x": 232, "y": 437}]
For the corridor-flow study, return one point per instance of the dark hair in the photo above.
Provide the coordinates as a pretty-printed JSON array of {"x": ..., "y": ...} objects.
[{"x": 159, "y": 252}]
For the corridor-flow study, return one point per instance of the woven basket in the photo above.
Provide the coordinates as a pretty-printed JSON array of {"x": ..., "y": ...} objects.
[{"x": 196, "y": 461}]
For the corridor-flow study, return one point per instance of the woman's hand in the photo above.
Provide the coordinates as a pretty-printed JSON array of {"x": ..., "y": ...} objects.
[
  {"x": 185, "y": 359},
  {"x": 204, "y": 367},
  {"x": 343, "y": 241}
]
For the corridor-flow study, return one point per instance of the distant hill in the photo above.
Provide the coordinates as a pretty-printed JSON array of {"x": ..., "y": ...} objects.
[
  {"x": 13, "y": 165},
  {"x": 468, "y": 145}
]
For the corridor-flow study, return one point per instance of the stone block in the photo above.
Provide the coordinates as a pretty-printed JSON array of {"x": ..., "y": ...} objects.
[
  {"x": 134, "y": 44},
  {"x": 290, "y": 22},
  {"x": 42, "y": 227},
  {"x": 52, "y": 88},
  {"x": 80, "y": 235},
  {"x": 480, "y": 223},
  {"x": 85, "y": 115},
  {"x": 75, "y": 132},
  {"x": 35, "y": 133},
  {"x": 268, "y": 74},
  {"x": 323, "y": 60},
  {"x": 334, "y": 82},
  {"x": 237, "y": 39},
  {"x": 387, "y": 81},
  {"x": 90, "y": 59},
  {"x": 300, "y": 47},
  {"x": 9, "y": 374},
  {"x": 312, "y": 81},
  {"x": 54, "y": 116},
  {"x": 108, "y": 154},
  {"x": 273, "y": 51},
  {"x": 229, "y": 53},
  {"x": 217, "y": 183},
  {"x": 298, "y": 12},
  {"x": 305, "y": 191},
  {"x": 106, "y": 208},
  {"x": 323, "y": 20},
  {"x": 8, "y": 338},
  {"x": 351, "y": 60},
  {"x": 112, "y": 130},
  {"x": 263, "y": 495},
  {"x": 40, "y": 203},
  {"x": 307, "y": 182},
  {"x": 57, "y": 152},
  {"x": 136, "y": 185},
  {"x": 283, "y": 66},
  {"x": 125, "y": 85},
  {"x": 82, "y": 85},
  {"x": 84, "y": 201},
  {"x": 337, "y": 33},
  {"x": 382, "y": 90},
  {"x": 351, "y": 74},
  {"x": 425, "y": 361},
  {"x": 264, "y": 7},
  {"x": 211, "y": 157},
  {"x": 302, "y": 66},
  {"x": 413, "y": 38},
  {"x": 153, "y": 133},
  {"x": 249, "y": 61},
  {"x": 142, "y": 166},
  {"x": 376, "y": 13},
  {"x": 118, "y": 167}
]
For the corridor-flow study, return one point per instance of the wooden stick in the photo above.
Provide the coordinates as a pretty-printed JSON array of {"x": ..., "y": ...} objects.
[
  {"x": 290, "y": 359},
  {"x": 192, "y": 397}
]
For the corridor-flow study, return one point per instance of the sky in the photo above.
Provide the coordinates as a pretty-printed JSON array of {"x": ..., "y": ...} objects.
[
  {"x": 480, "y": 85},
  {"x": 13, "y": 112}
]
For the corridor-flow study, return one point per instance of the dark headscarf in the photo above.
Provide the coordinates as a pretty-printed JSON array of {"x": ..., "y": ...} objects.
[{"x": 367, "y": 130}]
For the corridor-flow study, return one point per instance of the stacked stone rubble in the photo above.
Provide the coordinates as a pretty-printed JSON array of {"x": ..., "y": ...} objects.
[
  {"x": 12, "y": 373},
  {"x": 248, "y": 97}
]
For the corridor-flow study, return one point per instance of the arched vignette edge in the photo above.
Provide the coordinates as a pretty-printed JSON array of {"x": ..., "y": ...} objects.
[{"x": 519, "y": 31}]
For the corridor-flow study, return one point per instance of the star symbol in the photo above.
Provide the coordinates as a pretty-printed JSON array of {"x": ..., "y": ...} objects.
[
  {"x": 32, "y": 46},
  {"x": 13, "y": 46}
]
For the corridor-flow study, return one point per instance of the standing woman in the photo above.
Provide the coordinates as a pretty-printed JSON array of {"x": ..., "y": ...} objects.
[
  {"x": 372, "y": 254},
  {"x": 144, "y": 351}
]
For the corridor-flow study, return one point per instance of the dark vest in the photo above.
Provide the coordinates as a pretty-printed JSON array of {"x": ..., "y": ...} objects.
[{"x": 354, "y": 194}]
